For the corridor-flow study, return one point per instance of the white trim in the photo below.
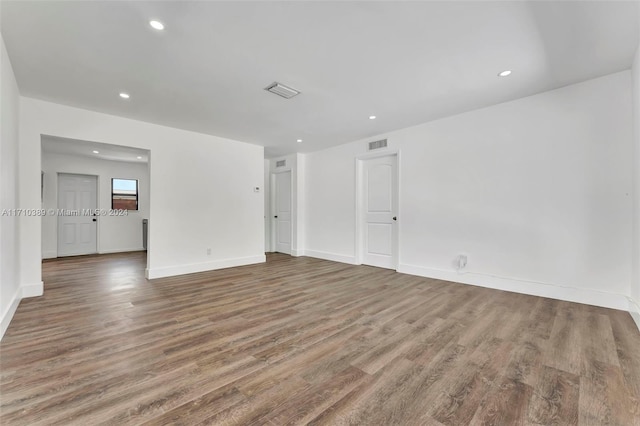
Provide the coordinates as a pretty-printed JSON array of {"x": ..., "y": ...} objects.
[
  {"x": 32, "y": 290},
  {"x": 124, "y": 250},
  {"x": 7, "y": 315},
  {"x": 384, "y": 152},
  {"x": 54, "y": 255},
  {"x": 49, "y": 254},
  {"x": 515, "y": 285},
  {"x": 297, "y": 253},
  {"x": 191, "y": 268},
  {"x": 634, "y": 310},
  {"x": 331, "y": 256}
]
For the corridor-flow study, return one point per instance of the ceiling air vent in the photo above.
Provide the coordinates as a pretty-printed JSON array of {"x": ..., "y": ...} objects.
[
  {"x": 377, "y": 144},
  {"x": 282, "y": 90},
  {"x": 281, "y": 163}
]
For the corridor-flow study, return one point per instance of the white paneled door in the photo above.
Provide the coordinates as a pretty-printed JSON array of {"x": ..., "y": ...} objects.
[
  {"x": 77, "y": 226},
  {"x": 380, "y": 201},
  {"x": 283, "y": 212}
]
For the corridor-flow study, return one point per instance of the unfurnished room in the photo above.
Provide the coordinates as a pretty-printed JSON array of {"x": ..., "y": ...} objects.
[{"x": 320, "y": 212}]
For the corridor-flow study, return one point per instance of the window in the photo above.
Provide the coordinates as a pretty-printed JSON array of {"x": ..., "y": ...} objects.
[{"x": 124, "y": 194}]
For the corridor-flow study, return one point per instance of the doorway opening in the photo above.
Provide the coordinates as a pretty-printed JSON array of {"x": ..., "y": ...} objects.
[
  {"x": 96, "y": 196},
  {"x": 282, "y": 212}
]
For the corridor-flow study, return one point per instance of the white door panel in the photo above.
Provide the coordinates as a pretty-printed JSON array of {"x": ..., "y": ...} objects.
[
  {"x": 283, "y": 212},
  {"x": 68, "y": 233},
  {"x": 380, "y": 239},
  {"x": 85, "y": 233},
  {"x": 380, "y": 194},
  {"x": 77, "y": 194},
  {"x": 380, "y": 200}
]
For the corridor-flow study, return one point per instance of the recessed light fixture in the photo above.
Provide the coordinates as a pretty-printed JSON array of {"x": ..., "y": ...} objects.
[
  {"x": 96, "y": 152},
  {"x": 504, "y": 73},
  {"x": 156, "y": 25},
  {"x": 139, "y": 157},
  {"x": 372, "y": 117},
  {"x": 124, "y": 95},
  {"x": 299, "y": 140}
]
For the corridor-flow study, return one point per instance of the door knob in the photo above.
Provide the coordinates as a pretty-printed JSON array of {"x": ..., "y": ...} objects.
[{"x": 395, "y": 218}]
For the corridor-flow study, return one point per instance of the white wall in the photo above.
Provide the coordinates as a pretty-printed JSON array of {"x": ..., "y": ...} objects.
[
  {"x": 115, "y": 233},
  {"x": 634, "y": 306},
  {"x": 10, "y": 291},
  {"x": 201, "y": 193},
  {"x": 537, "y": 193},
  {"x": 296, "y": 164},
  {"x": 331, "y": 195}
]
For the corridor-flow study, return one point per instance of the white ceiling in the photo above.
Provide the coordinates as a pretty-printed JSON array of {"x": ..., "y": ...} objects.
[
  {"x": 57, "y": 145},
  {"x": 405, "y": 62}
]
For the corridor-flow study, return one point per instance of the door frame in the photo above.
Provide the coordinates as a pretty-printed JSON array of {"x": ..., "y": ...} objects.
[
  {"x": 359, "y": 249},
  {"x": 273, "y": 207},
  {"x": 58, "y": 207}
]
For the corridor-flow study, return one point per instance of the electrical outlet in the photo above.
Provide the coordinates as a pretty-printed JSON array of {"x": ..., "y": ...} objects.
[
  {"x": 209, "y": 252},
  {"x": 461, "y": 262}
]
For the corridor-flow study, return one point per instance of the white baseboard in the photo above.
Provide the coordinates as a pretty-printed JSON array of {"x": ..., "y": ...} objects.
[
  {"x": 634, "y": 310},
  {"x": 49, "y": 254},
  {"x": 170, "y": 271},
  {"x": 22, "y": 292},
  {"x": 7, "y": 315},
  {"x": 297, "y": 253},
  {"x": 123, "y": 250},
  {"x": 331, "y": 256},
  {"x": 32, "y": 290},
  {"x": 54, "y": 254},
  {"x": 570, "y": 294}
]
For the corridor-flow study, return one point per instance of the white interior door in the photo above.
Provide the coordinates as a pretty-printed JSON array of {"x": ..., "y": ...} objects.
[
  {"x": 77, "y": 231},
  {"x": 283, "y": 212},
  {"x": 380, "y": 201}
]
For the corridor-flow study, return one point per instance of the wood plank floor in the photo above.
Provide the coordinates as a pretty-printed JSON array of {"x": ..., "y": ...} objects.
[{"x": 307, "y": 341}]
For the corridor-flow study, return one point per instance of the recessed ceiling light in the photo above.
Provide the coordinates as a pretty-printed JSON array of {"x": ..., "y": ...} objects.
[
  {"x": 157, "y": 25},
  {"x": 299, "y": 140},
  {"x": 504, "y": 73},
  {"x": 96, "y": 152},
  {"x": 372, "y": 117},
  {"x": 139, "y": 158},
  {"x": 124, "y": 95}
]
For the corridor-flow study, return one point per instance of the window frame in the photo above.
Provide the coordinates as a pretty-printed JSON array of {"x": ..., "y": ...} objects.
[{"x": 117, "y": 193}]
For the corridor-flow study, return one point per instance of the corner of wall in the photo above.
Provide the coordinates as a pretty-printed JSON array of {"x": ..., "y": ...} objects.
[
  {"x": 7, "y": 315},
  {"x": 32, "y": 290},
  {"x": 634, "y": 300},
  {"x": 10, "y": 245},
  {"x": 634, "y": 310}
]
